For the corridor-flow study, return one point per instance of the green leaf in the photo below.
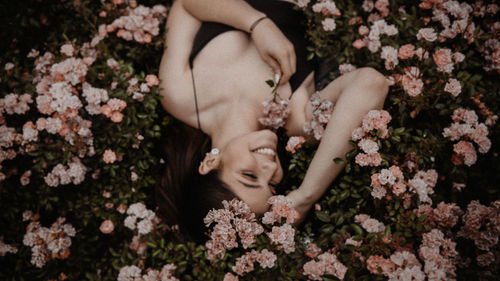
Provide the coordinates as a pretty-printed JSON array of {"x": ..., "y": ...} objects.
[
  {"x": 338, "y": 160},
  {"x": 322, "y": 216},
  {"x": 270, "y": 83}
]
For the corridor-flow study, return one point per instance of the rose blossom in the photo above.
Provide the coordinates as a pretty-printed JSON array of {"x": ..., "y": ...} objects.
[
  {"x": 358, "y": 44},
  {"x": 373, "y": 263},
  {"x": 442, "y": 58},
  {"x": 107, "y": 227},
  {"x": 152, "y": 80},
  {"x": 109, "y": 156},
  {"x": 328, "y": 24},
  {"x": 67, "y": 49},
  {"x": 428, "y": 34},
  {"x": 453, "y": 87},
  {"x": 406, "y": 51}
]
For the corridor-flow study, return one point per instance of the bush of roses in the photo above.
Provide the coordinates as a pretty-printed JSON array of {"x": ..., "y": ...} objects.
[{"x": 80, "y": 123}]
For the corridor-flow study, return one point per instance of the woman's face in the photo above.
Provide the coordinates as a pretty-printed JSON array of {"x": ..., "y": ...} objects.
[{"x": 250, "y": 166}]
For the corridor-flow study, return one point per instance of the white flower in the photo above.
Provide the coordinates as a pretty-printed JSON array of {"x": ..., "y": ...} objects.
[{"x": 328, "y": 24}]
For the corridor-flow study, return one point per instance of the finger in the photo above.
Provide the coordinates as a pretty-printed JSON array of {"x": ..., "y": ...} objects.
[
  {"x": 286, "y": 68},
  {"x": 293, "y": 61},
  {"x": 275, "y": 66}
]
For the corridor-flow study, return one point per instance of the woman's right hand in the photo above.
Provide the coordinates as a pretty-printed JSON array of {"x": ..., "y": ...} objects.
[
  {"x": 275, "y": 49},
  {"x": 300, "y": 203}
]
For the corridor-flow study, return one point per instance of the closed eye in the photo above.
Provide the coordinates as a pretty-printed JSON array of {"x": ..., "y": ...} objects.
[{"x": 250, "y": 176}]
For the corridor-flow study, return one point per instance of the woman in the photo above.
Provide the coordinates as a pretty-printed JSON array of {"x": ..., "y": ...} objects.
[{"x": 216, "y": 83}]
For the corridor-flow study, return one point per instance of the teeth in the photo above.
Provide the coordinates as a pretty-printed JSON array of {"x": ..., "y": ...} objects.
[{"x": 266, "y": 151}]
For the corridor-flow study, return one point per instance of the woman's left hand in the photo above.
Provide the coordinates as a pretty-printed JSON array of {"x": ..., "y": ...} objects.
[{"x": 275, "y": 49}]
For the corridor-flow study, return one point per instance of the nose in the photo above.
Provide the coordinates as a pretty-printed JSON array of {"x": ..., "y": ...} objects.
[{"x": 270, "y": 170}]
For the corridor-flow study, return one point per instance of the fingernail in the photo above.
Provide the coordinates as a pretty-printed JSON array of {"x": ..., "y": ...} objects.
[{"x": 277, "y": 77}]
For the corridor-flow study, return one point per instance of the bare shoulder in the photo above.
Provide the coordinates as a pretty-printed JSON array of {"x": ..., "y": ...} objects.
[{"x": 174, "y": 66}]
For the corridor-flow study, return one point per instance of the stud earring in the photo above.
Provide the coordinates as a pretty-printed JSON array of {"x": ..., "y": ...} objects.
[{"x": 214, "y": 151}]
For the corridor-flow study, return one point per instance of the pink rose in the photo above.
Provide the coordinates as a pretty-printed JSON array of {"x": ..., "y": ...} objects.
[
  {"x": 106, "y": 110},
  {"x": 453, "y": 87},
  {"x": 107, "y": 227},
  {"x": 363, "y": 30},
  {"x": 109, "y": 156},
  {"x": 152, "y": 80},
  {"x": 117, "y": 117},
  {"x": 428, "y": 34},
  {"x": 358, "y": 44},
  {"x": 406, "y": 51}
]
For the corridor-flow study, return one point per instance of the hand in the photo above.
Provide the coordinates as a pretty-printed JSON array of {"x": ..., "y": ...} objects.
[
  {"x": 299, "y": 203},
  {"x": 275, "y": 49}
]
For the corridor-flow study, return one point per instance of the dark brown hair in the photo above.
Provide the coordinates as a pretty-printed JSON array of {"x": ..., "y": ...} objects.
[{"x": 183, "y": 196}]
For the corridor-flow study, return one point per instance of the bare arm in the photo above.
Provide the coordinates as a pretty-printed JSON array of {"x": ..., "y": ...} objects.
[{"x": 357, "y": 92}]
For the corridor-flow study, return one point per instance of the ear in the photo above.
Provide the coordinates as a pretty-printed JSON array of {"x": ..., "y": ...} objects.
[{"x": 209, "y": 163}]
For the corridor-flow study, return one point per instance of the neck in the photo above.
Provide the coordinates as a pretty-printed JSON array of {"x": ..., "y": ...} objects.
[{"x": 237, "y": 122}]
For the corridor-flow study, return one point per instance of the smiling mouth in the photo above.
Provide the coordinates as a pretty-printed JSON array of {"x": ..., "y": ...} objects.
[{"x": 265, "y": 151}]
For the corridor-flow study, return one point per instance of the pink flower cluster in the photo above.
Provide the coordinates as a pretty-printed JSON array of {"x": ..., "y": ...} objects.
[
  {"x": 491, "y": 53},
  {"x": 370, "y": 155},
  {"x": 445, "y": 60},
  {"x": 466, "y": 128},
  {"x": 15, "y": 104},
  {"x": 380, "y": 5},
  {"x": 373, "y": 120},
  {"x": 412, "y": 82},
  {"x": 137, "y": 91},
  {"x": 139, "y": 218},
  {"x": 388, "y": 179},
  {"x": 375, "y": 263},
  {"x": 275, "y": 113},
  {"x": 57, "y": 87},
  {"x": 390, "y": 56},
  {"x": 407, "y": 51},
  {"x": 327, "y": 8},
  {"x": 140, "y": 24},
  {"x": 322, "y": 111},
  {"x": 48, "y": 243},
  {"x": 294, "y": 143},
  {"x": 445, "y": 215},
  {"x": 371, "y": 38},
  {"x": 245, "y": 263},
  {"x": 406, "y": 267},
  {"x": 61, "y": 175},
  {"x": 442, "y": 12},
  {"x": 6, "y": 248},
  {"x": 284, "y": 237},
  {"x": 235, "y": 218},
  {"x": 369, "y": 224},
  {"x": 439, "y": 255},
  {"x": 134, "y": 273},
  {"x": 423, "y": 183},
  {"x": 7, "y": 138},
  {"x": 346, "y": 68},
  {"x": 113, "y": 109},
  {"x": 280, "y": 208},
  {"x": 94, "y": 97},
  {"x": 482, "y": 225},
  {"x": 326, "y": 263}
]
